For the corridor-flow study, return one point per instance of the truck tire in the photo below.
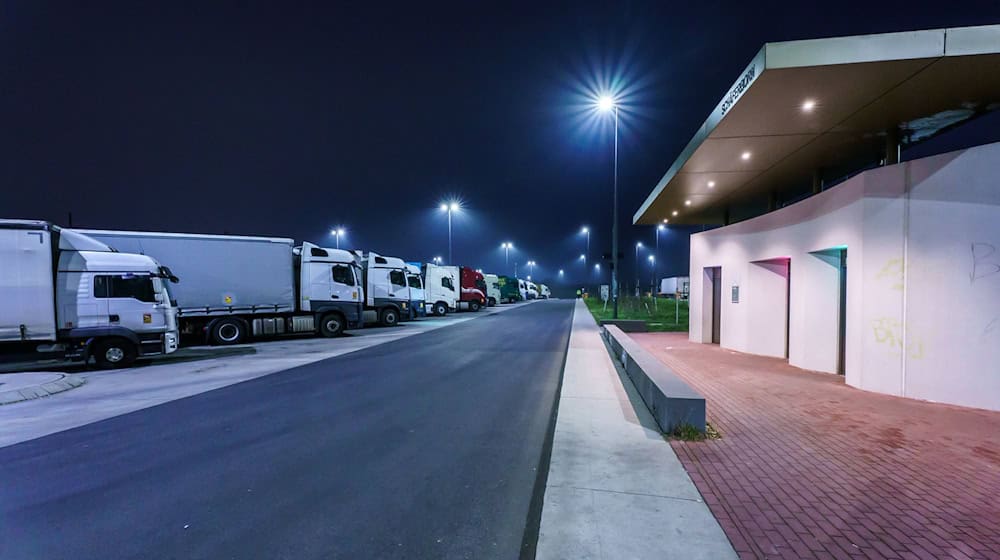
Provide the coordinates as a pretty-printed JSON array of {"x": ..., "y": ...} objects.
[
  {"x": 440, "y": 309},
  {"x": 113, "y": 353},
  {"x": 389, "y": 317},
  {"x": 227, "y": 331},
  {"x": 474, "y": 305},
  {"x": 331, "y": 325},
  {"x": 492, "y": 302}
]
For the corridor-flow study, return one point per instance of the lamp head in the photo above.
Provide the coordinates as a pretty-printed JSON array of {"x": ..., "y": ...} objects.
[{"x": 605, "y": 103}]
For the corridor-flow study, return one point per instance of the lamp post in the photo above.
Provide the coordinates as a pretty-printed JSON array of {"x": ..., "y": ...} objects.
[
  {"x": 607, "y": 103},
  {"x": 506, "y": 246},
  {"x": 531, "y": 265},
  {"x": 450, "y": 207},
  {"x": 437, "y": 260},
  {"x": 638, "y": 246},
  {"x": 338, "y": 232},
  {"x": 586, "y": 231}
]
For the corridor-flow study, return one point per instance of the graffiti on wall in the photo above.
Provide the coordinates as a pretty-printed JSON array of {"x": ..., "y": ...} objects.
[
  {"x": 893, "y": 273},
  {"x": 889, "y": 332},
  {"x": 985, "y": 264}
]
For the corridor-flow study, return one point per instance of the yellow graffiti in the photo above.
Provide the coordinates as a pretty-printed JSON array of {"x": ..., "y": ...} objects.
[
  {"x": 893, "y": 270},
  {"x": 889, "y": 332}
]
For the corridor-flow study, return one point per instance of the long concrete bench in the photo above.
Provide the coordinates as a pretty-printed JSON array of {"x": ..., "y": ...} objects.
[
  {"x": 672, "y": 402},
  {"x": 627, "y": 325}
]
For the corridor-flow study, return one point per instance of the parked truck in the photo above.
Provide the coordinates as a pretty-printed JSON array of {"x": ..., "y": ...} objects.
[
  {"x": 532, "y": 289},
  {"x": 492, "y": 289},
  {"x": 440, "y": 288},
  {"x": 509, "y": 291},
  {"x": 387, "y": 293},
  {"x": 64, "y": 294},
  {"x": 417, "y": 294},
  {"x": 544, "y": 292},
  {"x": 234, "y": 287},
  {"x": 473, "y": 294}
]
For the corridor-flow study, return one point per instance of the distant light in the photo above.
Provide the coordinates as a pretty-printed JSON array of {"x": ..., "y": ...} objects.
[
  {"x": 711, "y": 184},
  {"x": 597, "y": 266},
  {"x": 687, "y": 203},
  {"x": 560, "y": 272},
  {"x": 745, "y": 156},
  {"x": 454, "y": 207},
  {"x": 479, "y": 270},
  {"x": 506, "y": 245},
  {"x": 666, "y": 221},
  {"x": 606, "y": 103},
  {"x": 674, "y": 213},
  {"x": 651, "y": 258},
  {"x": 661, "y": 227},
  {"x": 638, "y": 244},
  {"x": 340, "y": 231},
  {"x": 583, "y": 257},
  {"x": 584, "y": 230},
  {"x": 808, "y": 105},
  {"x": 529, "y": 277},
  {"x": 444, "y": 207}
]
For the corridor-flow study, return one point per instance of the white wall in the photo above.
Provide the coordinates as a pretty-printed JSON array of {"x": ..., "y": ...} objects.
[{"x": 923, "y": 281}]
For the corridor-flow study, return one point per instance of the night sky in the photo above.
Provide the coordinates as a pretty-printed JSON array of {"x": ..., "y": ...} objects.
[{"x": 286, "y": 119}]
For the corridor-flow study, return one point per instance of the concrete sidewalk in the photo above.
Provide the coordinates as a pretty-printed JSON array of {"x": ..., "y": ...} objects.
[
  {"x": 615, "y": 487},
  {"x": 17, "y": 387}
]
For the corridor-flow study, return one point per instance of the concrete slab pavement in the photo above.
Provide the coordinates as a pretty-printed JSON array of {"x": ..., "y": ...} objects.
[
  {"x": 19, "y": 387},
  {"x": 113, "y": 392},
  {"x": 615, "y": 487}
]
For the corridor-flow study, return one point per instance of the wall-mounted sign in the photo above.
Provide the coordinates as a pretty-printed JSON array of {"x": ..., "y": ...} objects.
[{"x": 736, "y": 293}]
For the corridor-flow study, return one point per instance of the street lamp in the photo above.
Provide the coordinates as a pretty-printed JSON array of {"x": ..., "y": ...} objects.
[
  {"x": 638, "y": 246},
  {"x": 560, "y": 272},
  {"x": 450, "y": 207},
  {"x": 652, "y": 272},
  {"x": 506, "y": 246},
  {"x": 604, "y": 104},
  {"x": 338, "y": 232},
  {"x": 531, "y": 265},
  {"x": 586, "y": 231},
  {"x": 437, "y": 260}
]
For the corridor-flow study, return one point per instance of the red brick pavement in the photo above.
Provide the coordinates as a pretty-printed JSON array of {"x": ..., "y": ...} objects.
[{"x": 809, "y": 467}]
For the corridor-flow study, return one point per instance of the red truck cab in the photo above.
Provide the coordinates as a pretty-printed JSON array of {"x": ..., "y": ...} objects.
[{"x": 473, "y": 295}]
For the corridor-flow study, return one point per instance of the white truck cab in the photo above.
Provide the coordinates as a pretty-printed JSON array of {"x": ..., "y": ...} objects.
[
  {"x": 492, "y": 289},
  {"x": 532, "y": 290},
  {"x": 522, "y": 286},
  {"x": 387, "y": 293},
  {"x": 544, "y": 292},
  {"x": 416, "y": 283},
  {"x": 441, "y": 289},
  {"x": 66, "y": 293}
]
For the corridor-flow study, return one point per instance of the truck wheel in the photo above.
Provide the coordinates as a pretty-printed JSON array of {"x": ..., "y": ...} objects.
[
  {"x": 390, "y": 317},
  {"x": 492, "y": 302},
  {"x": 227, "y": 331},
  {"x": 440, "y": 309},
  {"x": 474, "y": 306},
  {"x": 331, "y": 325},
  {"x": 114, "y": 353}
]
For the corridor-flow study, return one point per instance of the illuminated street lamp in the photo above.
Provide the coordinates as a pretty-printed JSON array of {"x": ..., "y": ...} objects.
[
  {"x": 506, "y": 246},
  {"x": 638, "y": 246},
  {"x": 450, "y": 207},
  {"x": 338, "y": 232},
  {"x": 437, "y": 260},
  {"x": 605, "y": 104},
  {"x": 586, "y": 231},
  {"x": 531, "y": 265}
]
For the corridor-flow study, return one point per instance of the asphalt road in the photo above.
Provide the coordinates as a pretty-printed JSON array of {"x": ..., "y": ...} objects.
[{"x": 425, "y": 447}]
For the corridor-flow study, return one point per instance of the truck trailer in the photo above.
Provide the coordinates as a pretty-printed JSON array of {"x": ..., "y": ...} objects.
[
  {"x": 234, "y": 287},
  {"x": 68, "y": 295},
  {"x": 509, "y": 291}
]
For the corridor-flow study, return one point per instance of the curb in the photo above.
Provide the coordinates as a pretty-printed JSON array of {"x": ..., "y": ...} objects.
[{"x": 64, "y": 383}]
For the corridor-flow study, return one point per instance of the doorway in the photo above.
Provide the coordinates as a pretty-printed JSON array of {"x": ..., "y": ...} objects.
[
  {"x": 714, "y": 275},
  {"x": 842, "y": 328}
]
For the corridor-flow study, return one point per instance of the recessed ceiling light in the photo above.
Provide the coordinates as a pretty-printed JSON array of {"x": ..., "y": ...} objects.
[
  {"x": 745, "y": 156},
  {"x": 711, "y": 184},
  {"x": 808, "y": 105},
  {"x": 687, "y": 203},
  {"x": 674, "y": 213}
]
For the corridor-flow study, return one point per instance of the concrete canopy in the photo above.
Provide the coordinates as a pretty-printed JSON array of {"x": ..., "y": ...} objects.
[{"x": 802, "y": 107}]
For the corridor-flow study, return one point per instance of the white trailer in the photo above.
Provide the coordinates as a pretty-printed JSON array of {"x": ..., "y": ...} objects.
[
  {"x": 67, "y": 294},
  {"x": 492, "y": 289},
  {"x": 676, "y": 286},
  {"x": 387, "y": 293},
  {"x": 441, "y": 288},
  {"x": 235, "y": 287}
]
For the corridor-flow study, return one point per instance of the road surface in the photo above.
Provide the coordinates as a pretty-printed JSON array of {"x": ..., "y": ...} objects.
[{"x": 425, "y": 447}]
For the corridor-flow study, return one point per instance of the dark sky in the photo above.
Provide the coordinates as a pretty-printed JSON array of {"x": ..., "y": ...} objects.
[{"x": 286, "y": 119}]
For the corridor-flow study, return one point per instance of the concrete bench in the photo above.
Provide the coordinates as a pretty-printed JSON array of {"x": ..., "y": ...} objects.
[
  {"x": 672, "y": 402},
  {"x": 627, "y": 325}
]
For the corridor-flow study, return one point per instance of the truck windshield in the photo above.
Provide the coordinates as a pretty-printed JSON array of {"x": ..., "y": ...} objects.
[
  {"x": 481, "y": 284},
  {"x": 414, "y": 281}
]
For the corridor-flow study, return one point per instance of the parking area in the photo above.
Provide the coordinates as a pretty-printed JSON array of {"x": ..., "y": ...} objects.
[
  {"x": 187, "y": 372},
  {"x": 808, "y": 467}
]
